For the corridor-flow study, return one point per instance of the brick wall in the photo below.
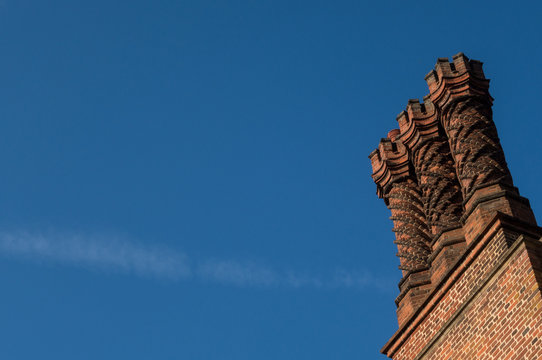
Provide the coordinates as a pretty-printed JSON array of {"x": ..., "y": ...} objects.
[
  {"x": 493, "y": 289},
  {"x": 502, "y": 321}
]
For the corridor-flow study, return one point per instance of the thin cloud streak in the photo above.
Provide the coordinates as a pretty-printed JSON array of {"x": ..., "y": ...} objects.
[
  {"x": 116, "y": 255},
  {"x": 103, "y": 253},
  {"x": 235, "y": 273}
]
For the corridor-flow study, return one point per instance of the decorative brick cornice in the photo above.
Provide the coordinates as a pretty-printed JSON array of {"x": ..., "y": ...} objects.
[
  {"x": 418, "y": 123},
  {"x": 451, "y": 81},
  {"x": 390, "y": 162}
]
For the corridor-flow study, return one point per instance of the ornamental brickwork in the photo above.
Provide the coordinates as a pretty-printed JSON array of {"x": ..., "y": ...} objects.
[{"x": 469, "y": 248}]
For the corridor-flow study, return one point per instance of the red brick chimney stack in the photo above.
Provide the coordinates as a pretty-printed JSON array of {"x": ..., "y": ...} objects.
[{"x": 459, "y": 224}]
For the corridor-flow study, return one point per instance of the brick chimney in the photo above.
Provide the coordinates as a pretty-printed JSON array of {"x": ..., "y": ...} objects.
[{"x": 469, "y": 247}]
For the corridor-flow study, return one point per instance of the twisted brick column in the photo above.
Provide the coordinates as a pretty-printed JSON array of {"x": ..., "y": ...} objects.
[
  {"x": 434, "y": 165},
  {"x": 475, "y": 144},
  {"x": 407, "y": 214},
  {"x": 461, "y": 91},
  {"x": 441, "y": 192},
  {"x": 397, "y": 185}
]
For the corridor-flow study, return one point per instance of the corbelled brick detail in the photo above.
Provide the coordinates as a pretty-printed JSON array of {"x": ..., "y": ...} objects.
[{"x": 470, "y": 250}]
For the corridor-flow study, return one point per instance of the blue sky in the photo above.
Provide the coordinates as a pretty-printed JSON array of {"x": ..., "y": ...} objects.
[{"x": 189, "y": 179}]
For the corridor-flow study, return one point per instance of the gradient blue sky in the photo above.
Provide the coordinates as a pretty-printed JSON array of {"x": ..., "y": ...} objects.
[{"x": 189, "y": 179}]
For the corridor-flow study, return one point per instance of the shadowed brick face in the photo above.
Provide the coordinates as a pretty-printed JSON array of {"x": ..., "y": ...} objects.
[
  {"x": 469, "y": 247},
  {"x": 412, "y": 238}
]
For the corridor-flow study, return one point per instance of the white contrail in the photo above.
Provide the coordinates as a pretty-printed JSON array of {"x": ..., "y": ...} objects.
[
  {"x": 113, "y": 254},
  {"x": 108, "y": 253},
  {"x": 237, "y": 273}
]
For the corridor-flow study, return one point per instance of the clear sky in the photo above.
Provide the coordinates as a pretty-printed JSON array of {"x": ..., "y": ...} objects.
[{"x": 189, "y": 179}]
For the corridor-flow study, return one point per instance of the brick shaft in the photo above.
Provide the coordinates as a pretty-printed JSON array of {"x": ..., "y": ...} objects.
[
  {"x": 411, "y": 235},
  {"x": 475, "y": 145},
  {"x": 440, "y": 189}
]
